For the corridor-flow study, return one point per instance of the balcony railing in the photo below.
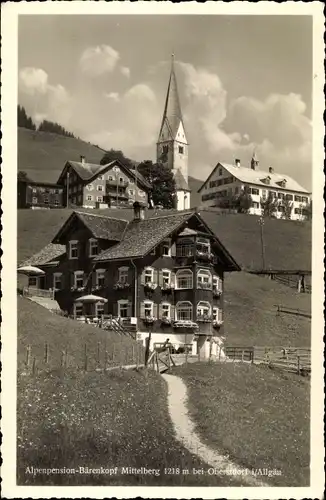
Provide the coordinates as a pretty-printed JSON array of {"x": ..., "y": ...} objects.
[
  {"x": 38, "y": 292},
  {"x": 117, "y": 182}
]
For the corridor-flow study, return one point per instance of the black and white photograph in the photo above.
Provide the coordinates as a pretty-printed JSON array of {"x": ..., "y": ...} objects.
[{"x": 162, "y": 305}]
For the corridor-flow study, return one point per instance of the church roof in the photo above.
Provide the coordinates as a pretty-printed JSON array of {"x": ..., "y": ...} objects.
[
  {"x": 172, "y": 115},
  {"x": 180, "y": 182}
]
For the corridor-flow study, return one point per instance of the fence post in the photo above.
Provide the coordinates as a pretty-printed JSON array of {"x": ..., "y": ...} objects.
[
  {"x": 28, "y": 355},
  {"x": 105, "y": 359},
  {"x": 242, "y": 355},
  {"x": 33, "y": 366},
  {"x": 98, "y": 354},
  {"x": 133, "y": 354},
  {"x": 85, "y": 357},
  {"x": 46, "y": 353},
  {"x": 113, "y": 352}
]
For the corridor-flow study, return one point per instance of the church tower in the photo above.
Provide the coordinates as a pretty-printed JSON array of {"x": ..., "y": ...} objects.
[{"x": 172, "y": 145}]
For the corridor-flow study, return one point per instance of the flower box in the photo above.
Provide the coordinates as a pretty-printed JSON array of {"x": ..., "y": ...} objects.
[
  {"x": 204, "y": 256},
  {"x": 204, "y": 286},
  {"x": 217, "y": 293},
  {"x": 217, "y": 323},
  {"x": 77, "y": 289},
  {"x": 206, "y": 318},
  {"x": 149, "y": 320},
  {"x": 149, "y": 285},
  {"x": 120, "y": 286},
  {"x": 166, "y": 321},
  {"x": 185, "y": 324},
  {"x": 167, "y": 287}
]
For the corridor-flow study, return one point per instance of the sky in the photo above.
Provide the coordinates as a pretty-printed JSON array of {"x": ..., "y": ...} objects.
[{"x": 245, "y": 83}]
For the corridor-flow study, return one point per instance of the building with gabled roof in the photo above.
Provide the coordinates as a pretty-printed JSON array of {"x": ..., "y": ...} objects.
[
  {"x": 101, "y": 186},
  {"x": 226, "y": 180},
  {"x": 165, "y": 271},
  {"x": 172, "y": 145}
]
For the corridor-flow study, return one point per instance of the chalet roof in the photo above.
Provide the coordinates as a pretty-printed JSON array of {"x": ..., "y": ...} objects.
[
  {"x": 250, "y": 176},
  {"x": 180, "y": 182},
  {"x": 101, "y": 226},
  {"x": 143, "y": 235},
  {"x": 46, "y": 255},
  {"x": 89, "y": 171}
]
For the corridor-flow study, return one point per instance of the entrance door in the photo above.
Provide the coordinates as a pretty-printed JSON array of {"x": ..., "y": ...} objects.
[{"x": 41, "y": 282}]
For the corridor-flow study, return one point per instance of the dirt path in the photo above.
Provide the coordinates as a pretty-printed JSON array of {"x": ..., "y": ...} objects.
[{"x": 185, "y": 432}]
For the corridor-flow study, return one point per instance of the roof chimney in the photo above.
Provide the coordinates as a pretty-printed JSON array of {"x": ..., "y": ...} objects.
[
  {"x": 139, "y": 210},
  {"x": 271, "y": 170},
  {"x": 237, "y": 162},
  {"x": 82, "y": 159}
]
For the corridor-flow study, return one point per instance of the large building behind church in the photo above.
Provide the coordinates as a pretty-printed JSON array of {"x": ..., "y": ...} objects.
[{"x": 172, "y": 144}]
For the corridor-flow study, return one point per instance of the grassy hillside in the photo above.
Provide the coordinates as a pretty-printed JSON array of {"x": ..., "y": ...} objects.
[
  {"x": 287, "y": 243},
  {"x": 250, "y": 313},
  {"x": 258, "y": 417},
  {"x": 37, "y": 327},
  {"x": 42, "y": 155}
]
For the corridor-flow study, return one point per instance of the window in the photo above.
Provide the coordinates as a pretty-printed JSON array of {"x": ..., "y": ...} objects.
[
  {"x": 123, "y": 274},
  {"x": 34, "y": 190},
  {"x": 57, "y": 281},
  {"x": 148, "y": 308},
  {"x": 99, "y": 309},
  {"x": 263, "y": 193},
  {"x": 217, "y": 284},
  {"x": 131, "y": 192},
  {"x": 110, "y": 178},
  {"x": 203, "y": 246},
  {"x": 121, "y": 180},
  {"x": 79, "y": 279},
  {"x": 298, "y": 211},
  {"x": 100, "y": 277},
  {"x": 166, "y": 277},
  {"x": 56, "y": 202},
  {"x": 184, "y": 279},
  {"x": 100, "y": 187},
  {"x": 34, "y": 200},
  {"x": 184, "y": 248},
  {"x": 165, "y": 149},
  {"x": 203, "y": 310},
  {"x": 89, "y": 197},
  {"x": 46, "y": 201},
  {"x": 131, "y": 182},
  {"x": 166, "y": 248},
  {"x": 180, "y": 150},
  {"x": 93, "y": 247},
  {"x": 220, "y": 172},
  {"x": 141, "y": 193},
  {"x": 165, "y": 310},
  {"x": 304, "y": 199},
  {"x": 100, "y": 177},
  {"x": 255, "y": 204},
  {"x": 184, "y": 311},
  {"x": 217, "y": 314},
  {"x": 124, "y": 308},
  {"x": 280, "y": 208},
  {"x": 204, "y": 279},
  {"x": 280, "y": 196},
  {"x": 254, "y": 191},
  {"x": 73, "y": 249},
  {"x": 148, "y": 275},
  {"x": 78, "y": 309},
  {"x": 32, "y": 281},
  {"x": 272, "y": 194},
  {"x": 90, "y": 187},
  {"x": 99, "y": 199},
  {"x": 289, "y": 197}
]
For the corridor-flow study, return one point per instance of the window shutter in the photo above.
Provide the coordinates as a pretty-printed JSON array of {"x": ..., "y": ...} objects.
[
  {"x": 142, "y": 310},
  {"x": 62, "y": 281},
  {"x": 160, "y": 277},
  {"x": 160, "y": 311},
  {"x": 173, "y": 250},
  {"x": 129, "y": 309},
  {"x": 142, "y": 278},
  {"x": 155, "y": 310},
  {"x": 172, "y": 312},
  {"x": 173, "y": 279}
]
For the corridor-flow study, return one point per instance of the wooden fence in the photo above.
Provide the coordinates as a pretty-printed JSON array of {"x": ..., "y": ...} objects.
[
  {"x": 295, "y": 359},
  {"x": 291, "y": 310}
]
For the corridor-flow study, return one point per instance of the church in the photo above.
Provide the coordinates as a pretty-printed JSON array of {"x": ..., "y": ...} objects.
[{"x": 172, "y": 146}]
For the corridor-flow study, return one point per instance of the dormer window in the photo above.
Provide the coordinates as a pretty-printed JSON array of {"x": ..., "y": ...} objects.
[
  {"x": 267, "y": 180},
  {"x": 203, "y": 246},
  {"x": 166, "y": 248},
  {"x": 73, "y": 249},
  {"x": 93, "y": 247}
]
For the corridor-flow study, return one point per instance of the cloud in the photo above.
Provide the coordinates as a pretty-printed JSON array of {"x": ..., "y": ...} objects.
[
  {"x": 114, "y": 96},
  {"x": 42, "y": 99},
  {"x": 125, "y": 71},
  {"x": 32, "y": 80},
  {"x": 96, "y": 61}
]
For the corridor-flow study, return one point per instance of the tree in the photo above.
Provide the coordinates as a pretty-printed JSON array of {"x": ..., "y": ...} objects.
[
  {"x": 22, "y": 177},
  {"x": 268, "y": 206},
  {"x": 162, "y": 182},
  {"x": 115, "y": 154},
  {"x": 307, "y": 211},
  {"x": 241, "y": 203},
  {"x": 23, "y": 120},
  {"x": 287, "y": 212},
  {"x": 55, "y": 128}
]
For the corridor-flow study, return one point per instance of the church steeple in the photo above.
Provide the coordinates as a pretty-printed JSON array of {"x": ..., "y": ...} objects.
[
  {"x": 254, "y": 160},
  {"x": 172, "y": 145}
]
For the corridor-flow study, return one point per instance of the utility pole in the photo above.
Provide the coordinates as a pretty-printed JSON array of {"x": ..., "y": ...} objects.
[
  {"x": 117, "y": 179},
  {"x": 261, "y": 222},
  {"x": 67, "y": 202}
]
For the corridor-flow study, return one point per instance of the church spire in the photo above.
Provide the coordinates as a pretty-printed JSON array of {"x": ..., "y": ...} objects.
[
  {"x": 172, "y": 115},
  {"x": 254, "y": 160}
]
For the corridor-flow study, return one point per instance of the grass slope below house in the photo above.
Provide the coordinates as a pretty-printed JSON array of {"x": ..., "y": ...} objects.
[
  {"x": 257, "y": 416},
  {"x": 250, "y": 313},
  {"x": 66, "y": 340}
]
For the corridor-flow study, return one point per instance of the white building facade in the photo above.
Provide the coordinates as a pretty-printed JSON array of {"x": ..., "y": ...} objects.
[{"x": 228, "y": 180}]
